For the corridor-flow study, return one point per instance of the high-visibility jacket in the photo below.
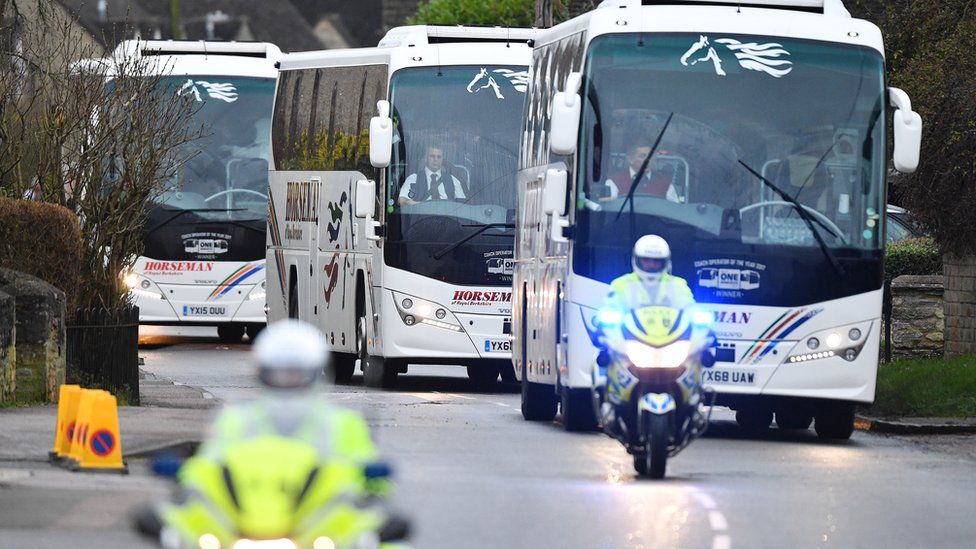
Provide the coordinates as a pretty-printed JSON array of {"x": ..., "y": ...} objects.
[
  {"x": 629, "y": 292},
  {"x": 336, "y": 433}
]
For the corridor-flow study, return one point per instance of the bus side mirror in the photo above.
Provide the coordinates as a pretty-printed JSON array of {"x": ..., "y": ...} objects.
[
  {"x": 381, "y": 136},
  {"x": 363, "y": 207},
  {"x": 564, "y": 123},
  {"x": 365, "y": 197},
  {"x": 908, "y": 132},
  {"x": 554, "y": 195}
]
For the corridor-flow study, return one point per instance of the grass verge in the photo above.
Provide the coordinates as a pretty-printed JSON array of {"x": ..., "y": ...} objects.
[{"x": 927, "y": 388}]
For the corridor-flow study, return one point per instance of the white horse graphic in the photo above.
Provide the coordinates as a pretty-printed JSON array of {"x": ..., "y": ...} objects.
[
  {"x": 222, "y": 91},
  {"x": 518, "y": 79},
  {"x": 751, "y": 56}
]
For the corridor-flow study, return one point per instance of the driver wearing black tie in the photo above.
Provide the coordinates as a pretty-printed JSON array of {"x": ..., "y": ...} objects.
[{"x": 430, "y": 184}]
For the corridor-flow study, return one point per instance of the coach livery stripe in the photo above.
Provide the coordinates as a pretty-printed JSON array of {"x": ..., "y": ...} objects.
[
  {"x": 275, "y": 231},
  {"x": 235, "y": 278},
  {"x": 776, "y": 333}
]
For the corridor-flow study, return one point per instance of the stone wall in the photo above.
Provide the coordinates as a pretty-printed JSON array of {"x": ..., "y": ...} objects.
[
  {"x": 960, "y": 305},
  {"x": 917, "y": 316},
  {"x": 8, "y": 350},
  {"x": 39, "y": 311}
]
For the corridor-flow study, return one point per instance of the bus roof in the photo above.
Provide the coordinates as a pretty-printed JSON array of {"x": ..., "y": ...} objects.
[
  {"x": 201, "y": 57},
  {"x": 409, "y": 46},
  {"x": 824, "y": 20},
  {"x": 422, "y": 35}
]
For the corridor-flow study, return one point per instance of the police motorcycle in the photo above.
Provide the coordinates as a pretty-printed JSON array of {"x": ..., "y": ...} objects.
[
  {"x": 273, "y": 492},
  {"x": 651, "y": 396}
]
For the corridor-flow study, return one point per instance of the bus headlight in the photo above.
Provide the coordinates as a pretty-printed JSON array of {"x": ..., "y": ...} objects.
[
  {"x": 140, "y": 286},
  {"x": 258, "y": 292},
  {"x": 835, "y": 344},
  {"x": 415, "y": 311}
]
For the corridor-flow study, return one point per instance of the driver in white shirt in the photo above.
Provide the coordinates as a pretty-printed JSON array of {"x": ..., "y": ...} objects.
[{"x": 430, "y": 184}]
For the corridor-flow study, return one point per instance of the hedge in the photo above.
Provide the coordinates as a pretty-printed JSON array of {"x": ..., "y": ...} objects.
[
  {"x": 44, "y": 240},
  {"x": 913, "y": 256}
]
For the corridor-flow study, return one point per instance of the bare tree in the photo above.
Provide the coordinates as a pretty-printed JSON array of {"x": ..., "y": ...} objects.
[
  {"x": 543, "y": 13},
  {"x": 101, "y": 136},
  {"x": 579, "y": 7}
]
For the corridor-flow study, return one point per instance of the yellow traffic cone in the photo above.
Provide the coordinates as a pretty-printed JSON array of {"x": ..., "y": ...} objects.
[
  {"x": 102, "y": 441},
  {"x": 67, "y": 410},
  {"x": 82, "y": 426}
]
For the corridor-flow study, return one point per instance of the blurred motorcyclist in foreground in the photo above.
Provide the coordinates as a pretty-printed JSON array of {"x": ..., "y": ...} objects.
[{"x": 287, "y": 467}]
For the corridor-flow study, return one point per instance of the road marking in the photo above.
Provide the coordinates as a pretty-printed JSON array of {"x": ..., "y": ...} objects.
[
  {"x": 706, "y": 501},
  {"x": 465, "y": 397},
  {"x": 502, "y": 404},
  {"x": 7, "y": 475},
  {"x": 717, "y": 520}
]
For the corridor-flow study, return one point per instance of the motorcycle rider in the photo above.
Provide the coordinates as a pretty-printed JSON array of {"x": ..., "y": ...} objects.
[
  {"x": 650, "y": 283},
  {"x": 290, "y": 356}
]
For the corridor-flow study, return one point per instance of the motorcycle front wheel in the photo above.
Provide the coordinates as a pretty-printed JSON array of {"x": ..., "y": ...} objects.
[{"x": 653, "y": 459}]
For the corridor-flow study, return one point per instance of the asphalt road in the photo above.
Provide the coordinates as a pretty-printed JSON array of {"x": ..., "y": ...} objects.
[{"x": 471, "y": 473}]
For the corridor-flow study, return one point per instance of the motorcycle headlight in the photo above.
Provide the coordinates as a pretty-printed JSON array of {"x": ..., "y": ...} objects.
[
  {"x": 645, "y": 356},
  {"x": 609, "y": 318}
]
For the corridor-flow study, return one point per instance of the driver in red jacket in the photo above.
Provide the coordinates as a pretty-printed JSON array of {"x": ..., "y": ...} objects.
[{"x": 656, "y": 181}]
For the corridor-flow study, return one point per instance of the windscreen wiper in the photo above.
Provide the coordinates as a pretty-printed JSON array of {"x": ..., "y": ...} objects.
[
  {"x": 640, "y": 173},
  {"x": 805, "y": 216},
  {"x": 481, "y": 229}
]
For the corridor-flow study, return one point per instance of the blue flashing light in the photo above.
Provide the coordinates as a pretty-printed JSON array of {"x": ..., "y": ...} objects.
[
  {"x": 610, "y": 317},
  {"x": 702, "y": 318}
]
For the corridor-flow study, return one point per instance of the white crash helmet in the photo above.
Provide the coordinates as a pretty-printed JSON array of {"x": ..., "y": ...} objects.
[
  {"x": 291, "y": 354},
  {"x": 652, "y": 258}
]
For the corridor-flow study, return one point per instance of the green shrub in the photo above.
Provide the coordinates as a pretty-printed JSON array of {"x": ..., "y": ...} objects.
[
  {"x": 43, "y": 240},
  {"x": 913, "y": 256},
  {"x": 505, "y": 13}
]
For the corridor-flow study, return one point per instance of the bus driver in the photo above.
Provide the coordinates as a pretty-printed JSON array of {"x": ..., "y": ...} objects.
[
  {"x": 431, "y": 181},
  {"x": 655, "y": 182}
]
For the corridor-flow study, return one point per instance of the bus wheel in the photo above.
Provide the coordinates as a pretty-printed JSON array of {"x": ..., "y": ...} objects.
[
  {"x": 538, "y": 401},
  {"x": 380, "y": 373},
  {"x": 482, "y": 374},
  {"x": 254, "y": 329},
  {"x": 791, "y": 419},
  {"x": 230, "y": 333},
  {"x": 577, "y": 408},
  {"x": 754, "y": 420},
  {"x": 507, "y": 370},
  {"x": 835, "y": 422},
  {"x": 343, "y": 367}
]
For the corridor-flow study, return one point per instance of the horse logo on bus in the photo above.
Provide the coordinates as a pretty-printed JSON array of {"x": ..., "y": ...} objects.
[
  {"x": 486, "y": 80},
  {"x": 751, "y": 56}
]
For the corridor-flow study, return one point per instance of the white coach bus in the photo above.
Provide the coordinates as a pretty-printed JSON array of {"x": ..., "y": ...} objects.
[
  {"x": 203, "y": 256},
  {"x": 765, "y": 129},
  {"x": 393, "y": 230}
]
